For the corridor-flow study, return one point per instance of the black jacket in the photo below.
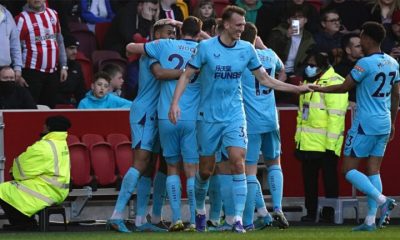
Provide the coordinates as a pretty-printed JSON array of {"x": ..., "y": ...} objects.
[
  {"x": 20, "y": 98},
  {"x": 73, "y": 89}
]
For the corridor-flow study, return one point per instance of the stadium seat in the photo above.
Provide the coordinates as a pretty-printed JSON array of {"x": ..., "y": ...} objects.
[
  {"x": 219, "y": 5},
  {"x": 64, "y": 106},
  {"x": 100, "y": 31},
  {"x": 80, "y": 162},
  {"x": 102, "y": 159},
  {"x": 87, "y": 41},
  {"x": 339, "y": 204},
  {"x": 100, "y": 58},
  {"x": 87, "y": 69},
  {"x": 77, "y": 26},
  {"x": 122, "y": 151}
]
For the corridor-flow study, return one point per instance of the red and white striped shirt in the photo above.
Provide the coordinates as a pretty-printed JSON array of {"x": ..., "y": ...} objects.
[{"x": 38, "y": 35}]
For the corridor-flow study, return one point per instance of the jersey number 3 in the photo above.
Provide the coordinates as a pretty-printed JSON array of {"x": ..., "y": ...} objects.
[{"x": 382, "y": 78}]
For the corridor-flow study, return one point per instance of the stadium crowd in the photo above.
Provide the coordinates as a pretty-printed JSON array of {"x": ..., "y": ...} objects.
[{"x": 224, "y": 100}]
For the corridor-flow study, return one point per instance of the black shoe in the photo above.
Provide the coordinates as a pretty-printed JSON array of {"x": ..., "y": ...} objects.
[{"x": 307, "y": 218}]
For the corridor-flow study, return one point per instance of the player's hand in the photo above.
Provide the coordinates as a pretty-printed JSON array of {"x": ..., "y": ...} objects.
[
  {"x": 315, "y": 87},
  {"x": 305, "y": 88},
  {"x": 392, "y": 131},
  {"x": 174, "y": 113}
]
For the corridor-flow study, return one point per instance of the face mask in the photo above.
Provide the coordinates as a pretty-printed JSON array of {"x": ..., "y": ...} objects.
[
  {"x": 7, "y": 87},
  {"x": 311, "y": 71}
]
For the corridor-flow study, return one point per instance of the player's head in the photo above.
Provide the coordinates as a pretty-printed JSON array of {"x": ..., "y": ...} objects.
[
  {"x": 191, "y": 26},
  {"x": 101, "y": 84},
  {"x": 250, "y": 33},
  {"x": 164, "y": 28},
  {"x": 233, "y": 21},
  {"x": 372, "y": 35}
]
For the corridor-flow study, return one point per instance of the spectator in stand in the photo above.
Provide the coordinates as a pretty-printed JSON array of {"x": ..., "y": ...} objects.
[
  {"x": 352, "y": 52},
  {"x": 9, "y": 42},
  {"x": 40, "y": 49},
  {"x": 13, "y": 96},
  {"x": 67, "y": 11},
  {"x": 41, "y": 176},
  {"x": 100, "y": 97},
  {"x": 14, "y": 6},
  {"x": 391, "y": 43},
  {"x": 319, "y": 134},
  {"x": 205, "y": 10},
  {"x": 116, "y": 74},
  {"x": 169, "y": 9},
  {"x": 292, "y": 48},
  {"x": 328, "y": 39},
  {"x": 96, "y": 11},
  {"x": 73, "y": 89},
  {"x": 127, "y": 27},
  {"x": 382, "y": 10},
  {"x": 252, "y": 8},
  {"x": 273, "y": 14},
  {"x": 352, "y": 13},
  {"x": 118, "y": 5}
]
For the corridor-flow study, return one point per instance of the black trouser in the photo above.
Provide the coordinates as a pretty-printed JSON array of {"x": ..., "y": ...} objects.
[
  {"x": 15, "y": 217},
  {"x": 312, "y": 162},
  {"x": 43, "y": 86}
]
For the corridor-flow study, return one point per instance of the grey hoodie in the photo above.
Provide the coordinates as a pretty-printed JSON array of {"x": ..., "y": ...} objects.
[{"x": 10, "y": 53}]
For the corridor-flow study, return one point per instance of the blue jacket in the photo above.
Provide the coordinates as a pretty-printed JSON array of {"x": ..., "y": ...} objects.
[
  {"x": 108, "y": 101},
  {"x": 89, "y": 17}
]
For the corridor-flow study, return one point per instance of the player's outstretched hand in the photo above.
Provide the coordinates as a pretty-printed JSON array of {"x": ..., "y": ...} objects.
[
  {"x": 315, "y": 87},
  {"x": 174, "y": 113},
  {"x": 305, "y": 88}
]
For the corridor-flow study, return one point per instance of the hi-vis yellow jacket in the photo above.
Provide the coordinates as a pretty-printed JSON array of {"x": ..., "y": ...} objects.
[
  {"x": 320, "y": 118},
  {"x": 41, "y": 175}
]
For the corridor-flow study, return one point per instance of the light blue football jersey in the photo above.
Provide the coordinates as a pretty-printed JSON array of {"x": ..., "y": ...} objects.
[
  {"x": 259, "y": 100},
  {"x": 375, "y": 75},
  {"x": 221, "y": 68},
  {"x": 145, "y": 103},
  {"x": 174, "y": 54}
]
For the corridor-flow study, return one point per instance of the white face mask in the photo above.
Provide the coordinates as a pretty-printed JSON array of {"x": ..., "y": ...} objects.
[{"x": 311, "y": 71}]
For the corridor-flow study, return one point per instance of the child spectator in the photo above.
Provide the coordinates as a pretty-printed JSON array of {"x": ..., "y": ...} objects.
[
  {"x": 205, "y": 10},
  {"x": 116, "y": 74},
  {"x": 100, "y": 97}
]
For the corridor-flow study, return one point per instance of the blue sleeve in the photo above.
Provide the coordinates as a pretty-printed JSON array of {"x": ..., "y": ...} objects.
[
  {"x": 397, "y": 74},
  {"x": 82, "y": 104},
  {"x": 279, "y": 63},
  {"x": 153, "y": 49},
  {"x": 87, "y": 15},
  {"x": 254, "y": 62},
  {"x": 197, "y": 59},
  {"x": 15, "y": 45},
  {"x": 110, "y": 12},
  {"x": 360, "y": 70},
  {"x": 120, "y": 102}
]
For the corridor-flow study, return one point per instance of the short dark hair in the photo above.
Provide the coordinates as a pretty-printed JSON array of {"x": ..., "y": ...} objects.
[
  {"x": 296, "y": 10},
  {"x": 57, "y": 123},
  {"x": 208, "y": 24},
  {"x": 103, "y": 75},
  {"x": 191, "y": 26},
  {"x": 112, "y": 69},
  {"x": 250, "y": 33},
  {"x": 344, "y": 43},
  {"x": 374, "y": 30},
  {"x": 325, "y": 13},
  {"x": 230, "y": 10},
  {"x": 321, "y": 58}
]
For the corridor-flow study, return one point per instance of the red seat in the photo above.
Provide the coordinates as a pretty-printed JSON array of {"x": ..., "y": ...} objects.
[
  {"x": 100, "y": 32},
  {"x": 123, "y": 152},
  {"x": 219, "y": 6},
  {"x": 100, "y": 58},
  {"x": 102, "y": 159},
  {"x": 87, "y": 68},
  {"x": 64, "y": 106},
  {"x": 77, "y": 26},
  {"x": 87, "y": 41},
  {"x": 80, "y": 162}
]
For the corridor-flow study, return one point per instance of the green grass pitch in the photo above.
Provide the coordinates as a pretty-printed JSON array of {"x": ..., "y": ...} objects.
[{"x": 309, "y": 233}]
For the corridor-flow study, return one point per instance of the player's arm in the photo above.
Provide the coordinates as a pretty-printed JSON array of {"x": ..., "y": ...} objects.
[
  {"x": 346, "y": 86},
  {"x": 174, "y": 111},
  {"x": 135, "y": 48},
  {"x": 165, "y": 74},
  {"x": 394, "y": 99},
  {"x": 265, "y": 79}
]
